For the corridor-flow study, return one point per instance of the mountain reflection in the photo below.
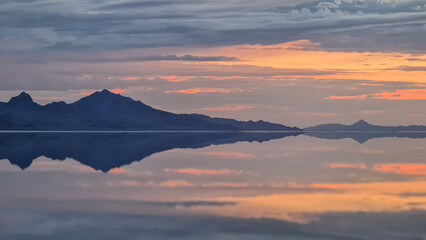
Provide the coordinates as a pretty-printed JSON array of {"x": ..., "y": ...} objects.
[
  {"x": 363, "y": 137},
  {"x": 105, "y": 151},
  {"x": 303, "y": 187}
]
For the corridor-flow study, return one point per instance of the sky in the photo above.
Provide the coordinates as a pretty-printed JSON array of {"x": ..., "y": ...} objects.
[{"x": 298, "y": 63}]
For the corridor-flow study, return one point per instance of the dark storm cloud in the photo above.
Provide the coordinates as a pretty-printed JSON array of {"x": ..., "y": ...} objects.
[
  {"x": 187, "y": 57},
  {"x": 137, "y": 4},
  {"x": 410, "y": 68},
  {"x": 344, "y": 25}
]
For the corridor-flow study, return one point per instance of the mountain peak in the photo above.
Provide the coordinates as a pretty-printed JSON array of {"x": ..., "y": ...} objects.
[
  {"x": 104, "y": 97},
  {"x": 361, "y": 123},
  {"x": 106, "y": 91},
  {"x": 21, "y": 98}
]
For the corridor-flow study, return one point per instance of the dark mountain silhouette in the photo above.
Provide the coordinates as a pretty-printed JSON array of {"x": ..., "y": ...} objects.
[
  {"x": 108, "y": 111},
  {"x": 105, "y": 151},
  {"x": 9, "y": 124},
  {"x": 364, "y": 136},
  {"x": 363, "y": 126}
]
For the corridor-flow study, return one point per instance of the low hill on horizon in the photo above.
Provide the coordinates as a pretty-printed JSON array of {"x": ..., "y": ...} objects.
[{"x": 363, "y": 126}]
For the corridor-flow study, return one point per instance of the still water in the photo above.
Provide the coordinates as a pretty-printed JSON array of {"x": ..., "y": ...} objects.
[{"x": 212, "y": 186}]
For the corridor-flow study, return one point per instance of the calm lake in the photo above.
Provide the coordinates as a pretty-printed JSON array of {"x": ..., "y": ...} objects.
[{"x": 213, "y": 186}]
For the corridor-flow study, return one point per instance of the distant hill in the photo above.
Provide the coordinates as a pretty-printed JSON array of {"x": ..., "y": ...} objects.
[
  {"x": 363, "y": 126},
  {"x": 104, "y": 110}
]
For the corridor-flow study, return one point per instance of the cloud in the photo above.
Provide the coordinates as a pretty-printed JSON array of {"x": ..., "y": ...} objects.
[
  {"x": 328, "y": 185},
  {"x": 135, "y": 4},
  {"x": 315, "y": 114},
  {"x": 402, "y": 94},
  {"x": 327, "y": 5},
  {"x": 347, "y": 97},
  {"x": 401, "y": 168},
  {"x": 175, "y": 184},
  {"x": 229, "y": 155},
  {"x": 116, "y": 171},
  {"x": 176, "y": 78},
  {"x": 346, "y": 165},
  {"x": 129, "y": 78},
  {"x": 410, "y": 68},
  {"x": 369, "y": 112},
  {"x": 225, "y": 185},
  {"x": 170, "y": 57},
  {"x": 371, "y": 151},
  {"x": 315, "y": 149},
  {"x": 50, "y": 225},
  {"x": 226, "y": 108},
  {"x": 415, "y": 59},
  {"x": 194, "y": 171},
  {"x": 206, "y": 90},
  {"x": 303, "y": 45},
  {"x": 368, "y": 25},
  {"x": 126, "y": 183}
]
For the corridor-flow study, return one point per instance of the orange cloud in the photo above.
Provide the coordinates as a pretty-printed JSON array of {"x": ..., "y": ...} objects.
[
  {"x": 128, "y": 184},
  {"x": 405, "y": 94},
  {"x": 176, "y": 78},
  {"x": 117, "y": 91},
  {"x": 124, "y": 183},
  {"x": 328, "y": 185},
  {"x": 130, "y": 78},
  {"x": 347, "y": 97},
  {"x": 116, "y": 171},
  {"x": 229, "y": 155},
  {"x": 227, "y": 108},
  {"x": 175, "y": 184},
  {"x": 402, "y": 168},
  {"x": 86, "y": 169},
  {"x": 369, "y": 112},
  {"x": 319, "y": 149},
  {"x": 371, "y": 151},
  {"x": 302, "y": 45},
  {"x": 344, "y": 165},
  {"x": 206, "y": 90},
  {"x": 226, "y": 185},
  {"x": 194, "y": 171},
  {"x": 230, "y": 77},
  {"x": 292, "y": 56},
  {"x": 315, "y": 114},
  {"x": 402, "y": 94}
]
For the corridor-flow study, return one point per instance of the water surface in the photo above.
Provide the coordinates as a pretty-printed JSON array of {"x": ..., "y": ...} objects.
[{"x": 212, "y": 186}]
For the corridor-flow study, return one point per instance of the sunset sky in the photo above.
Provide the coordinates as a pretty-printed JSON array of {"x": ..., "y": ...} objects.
[{"x": 295, "y": 62}]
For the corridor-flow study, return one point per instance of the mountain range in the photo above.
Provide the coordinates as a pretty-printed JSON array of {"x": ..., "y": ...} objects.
[{"x": 107, "y": 111}]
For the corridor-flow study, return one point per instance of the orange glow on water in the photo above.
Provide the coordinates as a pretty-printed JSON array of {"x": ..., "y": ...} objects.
[
  {"x": 343, "y": 165},
  {"x": 116, "y": 171},
  {"x": 402, "y": 168},
  {"x": 229, "y": 155}
]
